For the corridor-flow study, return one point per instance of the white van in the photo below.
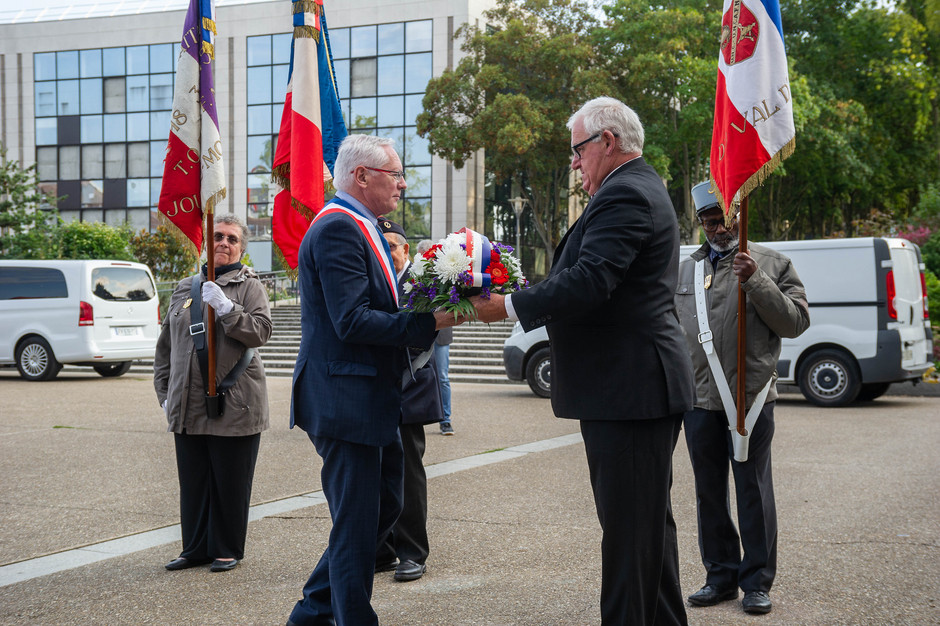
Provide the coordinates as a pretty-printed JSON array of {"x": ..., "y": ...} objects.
[
  {"x": 869, "y": 322},
  {"x": 104, "y": 314}
]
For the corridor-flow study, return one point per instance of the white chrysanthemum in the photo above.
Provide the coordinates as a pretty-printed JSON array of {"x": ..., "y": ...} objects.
[
  {"x": 419, "y": 267},
  {"x": 511, "y": 263},
  {"x": 451, "y": 261},
  {"x": 407, "y": 287}
]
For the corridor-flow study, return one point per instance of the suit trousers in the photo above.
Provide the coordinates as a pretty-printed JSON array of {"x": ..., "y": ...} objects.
[
  {"x": 710, "y": 449},
  {"x": 630, "y": 464},
  {"x": 408, "y": 539},
  {"x": 363, "y": 488},
  {"x": 215, "y": 475}
]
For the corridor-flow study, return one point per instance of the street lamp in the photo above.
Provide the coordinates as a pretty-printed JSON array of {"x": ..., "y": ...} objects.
[{"x": 518, "y": 205}]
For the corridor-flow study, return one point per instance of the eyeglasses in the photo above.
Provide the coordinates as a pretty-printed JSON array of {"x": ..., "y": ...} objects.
[
  {"x": 575, "y": 152},
  {"x": 232, "y": 239},
  {"x": 712, "y": 225},
  {"x": 575, "y": 149},
  {"x": 397, "y": 175}
]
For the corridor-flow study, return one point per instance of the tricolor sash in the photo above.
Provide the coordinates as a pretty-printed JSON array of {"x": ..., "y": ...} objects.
[{"x": 373, "y": 238}]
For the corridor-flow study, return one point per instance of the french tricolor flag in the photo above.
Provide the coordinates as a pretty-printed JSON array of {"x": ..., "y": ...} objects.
[
  {"x": 311, "y": 130},
  {"x": 753, "y": 128}
]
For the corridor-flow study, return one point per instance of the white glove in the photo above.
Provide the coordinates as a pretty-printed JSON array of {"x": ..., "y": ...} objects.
[{"x": 213, "y": 296}]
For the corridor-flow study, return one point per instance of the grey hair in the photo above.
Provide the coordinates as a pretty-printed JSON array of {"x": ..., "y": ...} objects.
[
  {"x": 398, "y": 239},
  {"x": 423, "y": 246},
  {"x": 232, "y": 220},
  {"x": 357, "y": 150},
  {"x": 605, "y": 113}
]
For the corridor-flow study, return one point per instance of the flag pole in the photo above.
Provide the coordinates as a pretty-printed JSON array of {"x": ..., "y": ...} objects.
[
  {"x": 742, "y": 324},
  {"x": 210, "y": 313}
]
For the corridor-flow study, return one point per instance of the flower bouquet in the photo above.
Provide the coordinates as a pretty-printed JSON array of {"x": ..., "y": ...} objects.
[{"x": 461, "y": 265}]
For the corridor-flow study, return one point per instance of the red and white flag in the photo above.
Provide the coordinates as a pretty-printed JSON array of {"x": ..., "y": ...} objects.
[
  {"x": 753, "y": 128},
  {"x": 311, "y": 130},
  {"x": 193, "y": 175}
]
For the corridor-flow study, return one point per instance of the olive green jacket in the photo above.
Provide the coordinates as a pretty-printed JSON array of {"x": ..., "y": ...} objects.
[
  {"x": 176, "y": 375},
  {"x": 776, "y": 307}
]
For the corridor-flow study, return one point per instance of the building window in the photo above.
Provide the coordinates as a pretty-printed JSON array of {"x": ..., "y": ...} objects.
[
  {"x": 382, "y": 72},
  {"x": 102, "y": 122},
  {"x": 268, "y": 67}
]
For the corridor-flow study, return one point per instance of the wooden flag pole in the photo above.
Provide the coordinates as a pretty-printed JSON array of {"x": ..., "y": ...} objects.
[
  {"x": 742, "y": 324},
  {"x": 210, "y": 314}
]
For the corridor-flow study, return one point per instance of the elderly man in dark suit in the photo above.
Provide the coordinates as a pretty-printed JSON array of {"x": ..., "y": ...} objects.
[
  {"x": 348, "y": 376},
  {"x": 608, "y": 302}
]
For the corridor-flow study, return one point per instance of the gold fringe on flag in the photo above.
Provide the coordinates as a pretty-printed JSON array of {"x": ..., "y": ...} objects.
[
  {"x": 209, "y": 25},
  {"x": 754, "y": 181},
  {"x": 208, "y": 48},
  {"x": 177, "y": 234},
  {"x": 307, "y": 31},
  {"x": 209, "y": 205}
]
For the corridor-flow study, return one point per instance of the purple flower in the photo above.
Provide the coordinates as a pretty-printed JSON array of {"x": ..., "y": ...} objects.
[
  {"x": 454, "y": 296},
  {"x": 485, "y": 294}
]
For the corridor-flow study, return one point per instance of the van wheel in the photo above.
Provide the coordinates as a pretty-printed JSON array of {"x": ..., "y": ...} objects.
[
  {"x": 870, "y": 391},
  {"x": 112, "y": 370},
  {"x": 830, "y": 378},
  {"x": 35, "y": 360},
  {"x": 538, "y": 373}
]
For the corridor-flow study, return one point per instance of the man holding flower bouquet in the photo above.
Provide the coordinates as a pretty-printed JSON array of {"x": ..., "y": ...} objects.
[
  {"x": 609, "y": 300},
  {"x": 346, "y": 392}
]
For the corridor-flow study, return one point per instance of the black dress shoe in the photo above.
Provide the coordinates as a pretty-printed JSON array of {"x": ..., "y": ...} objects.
[
  {"x": 710, "y": 595},
  {"x": 756, "y": 602},
  {"x": 184, "y": 563},
  {"x": 387, "y": 566},
  {"x": 223, "y": 566},
  {"x": 409, "y": 570}
]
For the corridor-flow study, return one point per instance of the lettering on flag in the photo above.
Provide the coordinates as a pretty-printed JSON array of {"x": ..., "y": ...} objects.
[
  {"x": 753, "y": 129},
  {"x": 193, "y": 173}
]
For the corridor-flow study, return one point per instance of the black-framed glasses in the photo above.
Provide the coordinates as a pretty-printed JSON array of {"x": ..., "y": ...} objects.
[
  {"x": 396, "y": 174},
  {"x": 232, "y": 239},
  {"x": 575, "y": 149},
  {"x": 711, "y": 225}
]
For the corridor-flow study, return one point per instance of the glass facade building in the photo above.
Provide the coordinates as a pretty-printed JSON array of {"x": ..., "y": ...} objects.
[{"x": 89, "y": 101}]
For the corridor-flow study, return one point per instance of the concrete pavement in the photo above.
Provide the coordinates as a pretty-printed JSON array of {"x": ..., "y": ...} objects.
[{"x": 516, "y": 541}]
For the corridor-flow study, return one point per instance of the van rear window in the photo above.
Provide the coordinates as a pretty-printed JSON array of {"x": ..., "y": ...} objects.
[
  {"x": 122, "y": 283},
  {"x": 22, "y": 283}
]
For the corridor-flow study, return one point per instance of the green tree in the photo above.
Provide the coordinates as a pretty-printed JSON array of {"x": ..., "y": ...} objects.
[
  {"x": 26, "y": 227},
  {"x": 664, "y": 60},
  {"x": 93, "y": 240},
  {"x": 523, "y": 76},
  {"x": 165, "y": 254}
]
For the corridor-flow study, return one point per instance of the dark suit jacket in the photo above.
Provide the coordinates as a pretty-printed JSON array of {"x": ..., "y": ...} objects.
[
  {"x": 618, "y": 352},
  {"x": 347, "y": 380},
  {"x": 421, "y": 397}
]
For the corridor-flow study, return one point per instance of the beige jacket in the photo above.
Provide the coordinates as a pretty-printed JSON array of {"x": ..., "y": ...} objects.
[
  {"x": 776, "y": 307},
  {"x": 176, "y": 375}
]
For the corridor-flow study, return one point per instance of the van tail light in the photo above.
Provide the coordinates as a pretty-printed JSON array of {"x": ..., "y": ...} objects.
[
  {"x": 892, "y": 310},
  {"x": 86, "y": 315},
  {"x": 159, "y": 319},
  {"x": 923, "y": 289}
]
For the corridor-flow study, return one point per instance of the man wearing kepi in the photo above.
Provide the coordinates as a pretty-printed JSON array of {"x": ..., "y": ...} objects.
[
  {"x": 348, "y": 376},
  {"x": 776, "y": 307},
  {"x": 609, "y": 299}
]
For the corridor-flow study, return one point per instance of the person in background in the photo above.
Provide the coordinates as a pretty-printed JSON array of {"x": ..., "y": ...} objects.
[
  {"x": 776, "y": 307},
  {"x": 215, "y": 455},
  {"x": 442, "y": 357},
  {"x": 406, "y": 547}
]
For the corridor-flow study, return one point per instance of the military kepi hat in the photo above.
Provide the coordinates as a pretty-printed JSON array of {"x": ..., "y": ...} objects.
[
  {"x": 703, "y": 197},
  {"x": 388, "y": 226}
]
